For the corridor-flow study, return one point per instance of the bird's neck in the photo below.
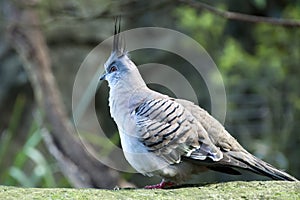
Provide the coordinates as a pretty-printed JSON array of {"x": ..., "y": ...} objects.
[
  {"x": 126, "y": 86},
  {"x": 125, "y": 96}
]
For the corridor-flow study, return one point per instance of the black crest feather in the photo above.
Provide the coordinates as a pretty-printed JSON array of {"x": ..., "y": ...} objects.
[{"x": 118, "y": 43}]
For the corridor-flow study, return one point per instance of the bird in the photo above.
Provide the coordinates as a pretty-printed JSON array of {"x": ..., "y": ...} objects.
[{"x": 168, "y": 137}]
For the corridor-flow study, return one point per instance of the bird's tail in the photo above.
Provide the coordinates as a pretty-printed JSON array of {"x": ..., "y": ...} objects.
[{"x": 249, "y": 162}]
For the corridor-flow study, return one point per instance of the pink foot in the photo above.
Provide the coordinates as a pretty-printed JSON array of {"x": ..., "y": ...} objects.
[{"x": 160, "y": 185}]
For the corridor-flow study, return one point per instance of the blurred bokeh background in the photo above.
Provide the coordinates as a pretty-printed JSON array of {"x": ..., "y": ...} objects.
[{"x": 259, "y": 63}]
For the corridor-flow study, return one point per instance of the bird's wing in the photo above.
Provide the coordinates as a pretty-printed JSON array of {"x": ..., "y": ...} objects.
[
  {"x": 216, "y": 131},
  {"x": 170, "y": 131},
  {"x": 234, "y": 155}
]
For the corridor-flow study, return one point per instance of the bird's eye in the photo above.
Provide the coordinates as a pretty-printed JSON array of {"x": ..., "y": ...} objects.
[{"x": 113, "y": 69}]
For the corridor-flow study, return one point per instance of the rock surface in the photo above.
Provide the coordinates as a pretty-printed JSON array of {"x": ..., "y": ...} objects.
[{"x": 229, "y": 190}]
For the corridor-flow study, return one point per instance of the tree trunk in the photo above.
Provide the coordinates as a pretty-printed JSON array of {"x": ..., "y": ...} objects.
[{"x": 81, "y": 168}]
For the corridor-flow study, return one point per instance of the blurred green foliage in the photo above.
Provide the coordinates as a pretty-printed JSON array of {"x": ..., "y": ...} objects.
[
  {"x": 28, "y": 165},
  {"x": 262, "y": 80}
]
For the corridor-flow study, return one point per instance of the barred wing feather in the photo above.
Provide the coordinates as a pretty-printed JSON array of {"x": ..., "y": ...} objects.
[{"x": 167, "y": 129}]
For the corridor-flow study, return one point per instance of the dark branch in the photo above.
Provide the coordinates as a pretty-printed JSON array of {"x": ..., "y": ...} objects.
[{"x": 242, "y": 17}]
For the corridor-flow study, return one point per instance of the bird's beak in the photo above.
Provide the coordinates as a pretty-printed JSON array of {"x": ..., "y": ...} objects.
[{"x": 103, "y": 76}]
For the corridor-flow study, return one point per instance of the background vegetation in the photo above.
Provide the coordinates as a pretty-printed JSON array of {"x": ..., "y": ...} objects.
[{"x": 259, "y": 63}]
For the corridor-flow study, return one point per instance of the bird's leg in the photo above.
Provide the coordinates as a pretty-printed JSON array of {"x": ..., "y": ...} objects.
[{"x": 163, "y": 184}]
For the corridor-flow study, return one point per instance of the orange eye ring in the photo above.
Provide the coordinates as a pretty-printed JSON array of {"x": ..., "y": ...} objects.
[{"x": 113, "y": 69}]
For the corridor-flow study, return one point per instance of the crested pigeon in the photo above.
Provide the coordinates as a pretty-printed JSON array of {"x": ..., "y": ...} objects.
[{"x": 168, "y": 137}]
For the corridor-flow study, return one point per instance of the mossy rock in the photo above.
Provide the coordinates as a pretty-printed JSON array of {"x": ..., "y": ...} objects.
[{"x": 229, "y": 190}]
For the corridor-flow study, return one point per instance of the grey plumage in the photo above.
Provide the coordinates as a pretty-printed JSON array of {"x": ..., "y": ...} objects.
[{"x": 172, "y": 138}]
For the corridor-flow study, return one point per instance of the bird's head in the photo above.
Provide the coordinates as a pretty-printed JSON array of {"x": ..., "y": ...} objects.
[{"x": 118, "y": 66}]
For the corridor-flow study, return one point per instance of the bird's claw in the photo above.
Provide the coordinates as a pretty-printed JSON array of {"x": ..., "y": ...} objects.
[{"x": 162, "y": 185}]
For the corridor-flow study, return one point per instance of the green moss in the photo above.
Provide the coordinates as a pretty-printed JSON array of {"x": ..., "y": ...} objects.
[{"x": 230, "y": 190}]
